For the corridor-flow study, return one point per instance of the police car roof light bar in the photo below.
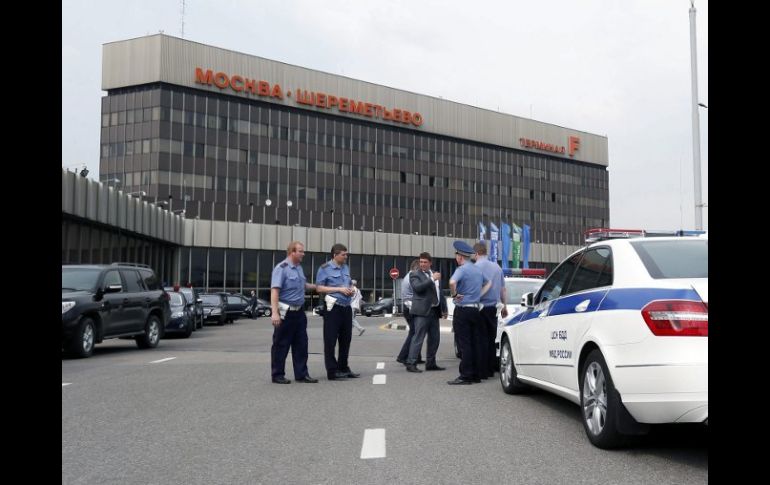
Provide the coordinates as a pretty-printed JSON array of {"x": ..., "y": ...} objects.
[
  {"x": 534, "y": 272},
  {"x": 602, "y": 233}
]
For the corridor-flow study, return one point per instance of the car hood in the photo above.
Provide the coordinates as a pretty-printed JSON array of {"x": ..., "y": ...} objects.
[{"x": 67, "y": 294}]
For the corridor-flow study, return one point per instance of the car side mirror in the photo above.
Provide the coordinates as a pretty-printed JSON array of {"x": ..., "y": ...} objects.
[
  {"x": 528, "y": 300},
  {"x": 113, "y": 288},
  {"x": 199, "y": 300}
]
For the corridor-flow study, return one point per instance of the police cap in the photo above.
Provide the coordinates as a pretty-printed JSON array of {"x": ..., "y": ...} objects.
[{"x": 463, "y": 248}]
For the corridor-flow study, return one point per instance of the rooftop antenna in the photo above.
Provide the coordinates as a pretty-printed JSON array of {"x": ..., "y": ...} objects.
[{"x": 183, "y": 19}]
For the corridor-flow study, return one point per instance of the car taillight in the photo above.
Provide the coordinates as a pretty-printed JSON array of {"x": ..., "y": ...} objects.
[{"x": 675, "y": 318}]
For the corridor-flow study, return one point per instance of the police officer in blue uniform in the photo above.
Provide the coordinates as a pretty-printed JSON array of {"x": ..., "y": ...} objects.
[
  {"x": 467, "y": 285},
  {"x": 288, "y": 287},
  {"x": 333, "y": 278}
]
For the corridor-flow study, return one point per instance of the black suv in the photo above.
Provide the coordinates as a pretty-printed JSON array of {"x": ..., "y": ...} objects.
[{"x": 108, "y": 301}]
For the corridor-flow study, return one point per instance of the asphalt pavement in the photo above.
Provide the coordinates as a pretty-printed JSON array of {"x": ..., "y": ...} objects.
[{"x": 204, "y": 411}]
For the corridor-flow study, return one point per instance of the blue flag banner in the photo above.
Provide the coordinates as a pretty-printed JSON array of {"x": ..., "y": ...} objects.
[
  {"x": 506, "y": 244},
  {"x": 494, "y": 235},
  {"x": 482, "y": 231},
  {"x": 525, "y": 246}
]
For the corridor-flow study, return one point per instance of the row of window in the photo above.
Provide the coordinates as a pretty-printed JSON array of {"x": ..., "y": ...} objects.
[
  {"x": 232, "y": 184},
  {"x": 314, "y": 166},
  {"x": 326, "y": 139}
]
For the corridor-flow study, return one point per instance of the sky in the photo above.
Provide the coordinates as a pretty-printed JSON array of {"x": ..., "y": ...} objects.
[{"x": 617, "y": 69}]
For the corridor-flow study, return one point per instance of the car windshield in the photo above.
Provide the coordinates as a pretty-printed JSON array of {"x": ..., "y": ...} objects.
[
  {"x": 176, "y": 299},
  {"x": 77, "y": 279},
  {"x": 211, "y": 300},
  {"x": 514, "y": 290},
  {"x": 262, "y": 302},
  {"x": 681, "y": 258}
]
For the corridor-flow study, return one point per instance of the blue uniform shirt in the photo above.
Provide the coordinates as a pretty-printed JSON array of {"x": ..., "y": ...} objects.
[
  {"x": 329, "y": 274},
  {"x": 493, "y": 273},
  {"x": 469, "y": 281},
  {"x": 406, "y": 288},
  {"x": 291, "y": 283}
]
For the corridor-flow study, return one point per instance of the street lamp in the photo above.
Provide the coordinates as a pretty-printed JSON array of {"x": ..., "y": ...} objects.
[
  {"x": 268, "y": 203},
  {"x": 695, "y": 123},
  {"x": 288, "y": 206}
]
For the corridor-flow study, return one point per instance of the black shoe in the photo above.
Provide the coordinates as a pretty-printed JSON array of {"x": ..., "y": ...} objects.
[
  {"x": 412, "y": 368},
  {"x": 308, "y": 379},
  {"x": 476, "y": 380},
  {"x": 337, "y": 376},
  {"x": 434, "y": 367},
  {"x": 459, "y": 382},
  {"x": 281, "y": 380},
  {"x": 351, "y": 374},
  {"x": 420, "y": 361},
  {"x": 401, "y": 361}
]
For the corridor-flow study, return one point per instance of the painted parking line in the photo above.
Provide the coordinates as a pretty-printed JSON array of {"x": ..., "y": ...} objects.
[
  {"x": 65, "y": 384},
  {"x": 162, "y": 360},
  {"x": 374, "y": 444},
  {"x": 380, "y": 365},
  {"x": 379, "y": 378}
]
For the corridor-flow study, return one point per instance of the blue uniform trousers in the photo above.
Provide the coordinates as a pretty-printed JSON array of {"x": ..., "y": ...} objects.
[
  {"x": 291, "y": 332},
  {"x": 468, "y": 323},
  {"x": 490, "y": 322},
  {"x": 338, "y": 325}
]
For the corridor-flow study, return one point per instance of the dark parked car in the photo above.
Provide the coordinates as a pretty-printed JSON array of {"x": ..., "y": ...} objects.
[
  {"x": 236, "y": 306},
  {"x": 182, "y": 320},
  {"x": 213, "y": 308},
  {"x": 263, "y": 309},
  {"x": 107, "y": 301},
  {"x": 380, "y": 307},
  {"x": 191, "y": 294}
]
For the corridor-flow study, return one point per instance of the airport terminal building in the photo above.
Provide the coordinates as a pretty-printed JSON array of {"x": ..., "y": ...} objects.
[{"x": 239, "y": 141}]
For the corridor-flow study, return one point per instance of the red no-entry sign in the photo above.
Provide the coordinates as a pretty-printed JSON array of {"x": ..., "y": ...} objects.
[{"x": 394, "y": 273}]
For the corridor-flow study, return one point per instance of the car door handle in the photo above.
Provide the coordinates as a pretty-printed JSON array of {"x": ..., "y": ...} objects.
[
  {"x": 582, "y": 306},
  {"x": 125, "y": 301}
]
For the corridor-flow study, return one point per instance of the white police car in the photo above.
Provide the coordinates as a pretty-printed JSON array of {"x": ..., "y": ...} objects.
[
  {"x": 515, "y": 288},
  {"x": 620, "y": 328}
]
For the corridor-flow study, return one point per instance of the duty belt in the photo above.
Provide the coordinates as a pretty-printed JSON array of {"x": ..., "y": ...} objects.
[
  {"x": 293, "y": 308},
  {"x": 477, "y": 306}
]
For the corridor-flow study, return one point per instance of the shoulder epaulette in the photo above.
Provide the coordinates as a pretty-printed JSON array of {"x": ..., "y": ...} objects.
[
  {"x": 324, "y": 265},
  {"x": 284, "y": 264}
]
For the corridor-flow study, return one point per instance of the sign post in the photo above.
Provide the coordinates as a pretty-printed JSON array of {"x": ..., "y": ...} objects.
[{"x": 394, "y": 276}]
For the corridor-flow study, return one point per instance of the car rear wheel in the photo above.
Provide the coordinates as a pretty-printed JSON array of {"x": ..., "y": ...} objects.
[
  {"x": 82, "y": 343},
  {"x": 508, "y": 375},
  {"x": 151, "y": 335},
  {"x": 599, "y": 403}
]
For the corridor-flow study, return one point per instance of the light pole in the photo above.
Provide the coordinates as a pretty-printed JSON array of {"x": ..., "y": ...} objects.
[
  {"x": 268, "y": 203},
  {"x": 695, "y": 123},
  {"x": 288, "y": 206},
  {"x": 251, "y": 206}
]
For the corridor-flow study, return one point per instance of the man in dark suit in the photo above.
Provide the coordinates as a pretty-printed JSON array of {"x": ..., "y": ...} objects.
[{"x": 426, "y": 309}]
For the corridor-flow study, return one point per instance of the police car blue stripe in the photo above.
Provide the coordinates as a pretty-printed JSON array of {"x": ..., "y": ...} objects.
[
  {"x": 613, "y": 299},
  {"x": 637, "y": 298},
  {"x": 566, "y": 305}
]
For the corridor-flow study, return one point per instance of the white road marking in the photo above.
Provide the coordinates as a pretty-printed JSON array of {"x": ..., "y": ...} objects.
[
  {"x": 380, "y": 365},
  {"x": 379, "y": 379},
  {"x": 374, "y": 444},
  {"x": 65, "y": 384},
  {"x": 445, "y": 329},
  {"x": 162, "y": 360}
]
